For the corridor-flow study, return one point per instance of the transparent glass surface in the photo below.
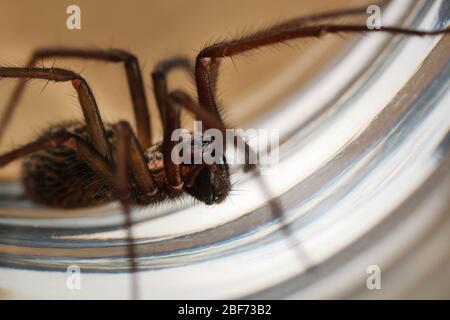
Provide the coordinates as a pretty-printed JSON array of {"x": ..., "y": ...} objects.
[{"x": 363, "y": 179}]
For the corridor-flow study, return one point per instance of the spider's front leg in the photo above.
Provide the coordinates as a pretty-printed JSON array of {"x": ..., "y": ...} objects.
[{"x": 208, "y": 60}]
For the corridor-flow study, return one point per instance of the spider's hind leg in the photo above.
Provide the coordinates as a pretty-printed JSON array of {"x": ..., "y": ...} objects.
[
  {"x": 55, "y": 170},
  {"x": 134, "y": 78},
  {"x": 94, "y": 122}
]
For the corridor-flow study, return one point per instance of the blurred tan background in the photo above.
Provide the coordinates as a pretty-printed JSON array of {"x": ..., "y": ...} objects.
[{"x": 153, "y": 30}]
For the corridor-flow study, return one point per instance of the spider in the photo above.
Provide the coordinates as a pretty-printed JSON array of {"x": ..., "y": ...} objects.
[{"x": 130, "y": 167}]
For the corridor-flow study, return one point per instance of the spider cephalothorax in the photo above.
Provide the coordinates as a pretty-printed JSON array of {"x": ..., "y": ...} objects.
[{"x": 211, "y": 184}]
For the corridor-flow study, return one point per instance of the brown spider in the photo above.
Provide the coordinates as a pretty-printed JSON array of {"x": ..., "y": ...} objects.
[{"x": 129, "y": 167}]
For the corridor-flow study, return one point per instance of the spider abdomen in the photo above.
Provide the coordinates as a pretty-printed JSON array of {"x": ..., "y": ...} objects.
[{"x": 58, "y": 177}]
